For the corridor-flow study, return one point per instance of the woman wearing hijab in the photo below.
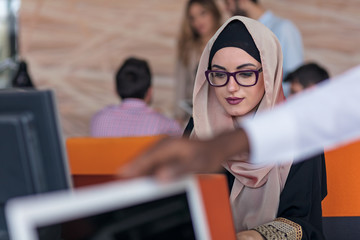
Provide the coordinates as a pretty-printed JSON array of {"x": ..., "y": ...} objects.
[{"x": 239, "y": 74}]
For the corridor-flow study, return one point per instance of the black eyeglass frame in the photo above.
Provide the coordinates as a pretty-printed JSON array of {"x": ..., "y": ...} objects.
[{"x": 233, "y": 74}]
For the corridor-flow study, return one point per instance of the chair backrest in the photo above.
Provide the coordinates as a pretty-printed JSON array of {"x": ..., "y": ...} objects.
[
  {"x": 215, "y": 197},
  {"x": 97, "y": 160},
  {"x": 341, "y": 207}
]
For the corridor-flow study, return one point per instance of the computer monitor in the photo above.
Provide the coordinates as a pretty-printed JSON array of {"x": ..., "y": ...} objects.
[
  {"x": 128, "y": 210},
  {"x": 32, "y": 158}
]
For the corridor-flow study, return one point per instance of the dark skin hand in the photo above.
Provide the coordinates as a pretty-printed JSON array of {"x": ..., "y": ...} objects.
[{"x": 173, "y": 157}]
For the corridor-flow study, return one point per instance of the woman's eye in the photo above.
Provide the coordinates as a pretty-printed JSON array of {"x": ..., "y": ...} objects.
[
  {"x": 220, "y": 75},
  {"x": 203, "y": 13},
  {"x": 245, "y": 74}
]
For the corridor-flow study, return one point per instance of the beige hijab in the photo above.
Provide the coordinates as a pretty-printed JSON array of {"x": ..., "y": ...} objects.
[{"x": 256, "y": 191}]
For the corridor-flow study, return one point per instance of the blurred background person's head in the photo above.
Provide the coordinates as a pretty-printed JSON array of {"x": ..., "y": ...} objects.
[
  {"x": 133, "y": 80},
  {"x": 306, "y": 76},
  {"x": 247, "y": 8},
  {"x": 202, "y": 19}
]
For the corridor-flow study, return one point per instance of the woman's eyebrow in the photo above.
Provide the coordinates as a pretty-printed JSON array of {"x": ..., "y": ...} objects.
[
  {"x": 245, "y": 65},
  {"x": 238, "y": 67},
  {"x": 217, "y": 66}
]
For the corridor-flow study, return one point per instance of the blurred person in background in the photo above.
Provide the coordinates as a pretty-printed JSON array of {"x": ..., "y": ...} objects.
[
  {"x": 201, "y": 20},
  {"x": 288, "y": 34},
  {"x": 306, "y": 76},
  {"x": 133, "y": 117}
]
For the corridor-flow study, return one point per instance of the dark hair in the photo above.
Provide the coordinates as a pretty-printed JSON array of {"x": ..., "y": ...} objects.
[
  {"x": 308, "y": 74},
  {"x": 211, "y": 6},
  {"x": 189, "y": 39},
  {"x": 133, "y": 79}
]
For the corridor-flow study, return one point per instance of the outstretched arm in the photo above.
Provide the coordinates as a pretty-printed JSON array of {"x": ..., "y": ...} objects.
[
  {"x": 173, "y": 157},
  {"x": 320, "y": 118}
]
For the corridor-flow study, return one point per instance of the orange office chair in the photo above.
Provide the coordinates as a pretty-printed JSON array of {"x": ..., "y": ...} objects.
[
  {"x": 97, "y": 160},
  {"x": 341, "y": 207}
]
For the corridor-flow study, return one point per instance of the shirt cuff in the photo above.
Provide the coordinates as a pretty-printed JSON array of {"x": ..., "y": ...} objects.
[{"x": 271, "y": 136}]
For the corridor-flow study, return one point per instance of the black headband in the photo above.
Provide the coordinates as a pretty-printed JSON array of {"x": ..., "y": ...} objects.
[{"x": 235, "y": 34}]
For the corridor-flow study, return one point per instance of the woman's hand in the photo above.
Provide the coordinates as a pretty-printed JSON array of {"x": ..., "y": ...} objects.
[{"x": 249, "y": 235}]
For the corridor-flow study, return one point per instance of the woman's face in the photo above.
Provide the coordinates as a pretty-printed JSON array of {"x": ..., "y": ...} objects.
[
  {"x": 235, "y": 99},
  {"x": 201, "y": 20}
]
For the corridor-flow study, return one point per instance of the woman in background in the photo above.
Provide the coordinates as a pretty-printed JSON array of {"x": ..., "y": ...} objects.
[{"x": 202, "y": 19}]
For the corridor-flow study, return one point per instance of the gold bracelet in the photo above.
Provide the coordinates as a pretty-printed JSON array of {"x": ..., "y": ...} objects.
[{"x": 280, "y": 228}]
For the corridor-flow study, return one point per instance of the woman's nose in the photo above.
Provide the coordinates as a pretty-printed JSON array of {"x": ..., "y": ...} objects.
[{"x": 232, "y": 85}]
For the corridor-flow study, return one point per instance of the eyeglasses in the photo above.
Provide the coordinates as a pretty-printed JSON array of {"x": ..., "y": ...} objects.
[{"x": 245, "y": 78}]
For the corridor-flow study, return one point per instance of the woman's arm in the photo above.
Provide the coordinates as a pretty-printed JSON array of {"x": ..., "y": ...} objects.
[{"x": 299, "y": 214}]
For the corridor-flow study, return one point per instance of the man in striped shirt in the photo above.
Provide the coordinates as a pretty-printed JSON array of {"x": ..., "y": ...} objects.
[{"x": 133, "y": 117}]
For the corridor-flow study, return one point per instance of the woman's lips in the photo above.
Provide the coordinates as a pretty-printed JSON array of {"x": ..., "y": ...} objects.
[{"x": 234, "y": 100}]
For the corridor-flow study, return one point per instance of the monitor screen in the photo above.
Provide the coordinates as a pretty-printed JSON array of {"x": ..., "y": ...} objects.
[
  {"x": 33, "y": 159},
  {"x": 160, "y": 219}
]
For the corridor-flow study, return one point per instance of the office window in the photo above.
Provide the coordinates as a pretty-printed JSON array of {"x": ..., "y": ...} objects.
[{"x": 8, "y": 40}]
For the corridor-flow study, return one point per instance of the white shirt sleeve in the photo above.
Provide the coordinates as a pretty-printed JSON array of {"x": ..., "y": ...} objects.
[{"x": 323, "y": 117}]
